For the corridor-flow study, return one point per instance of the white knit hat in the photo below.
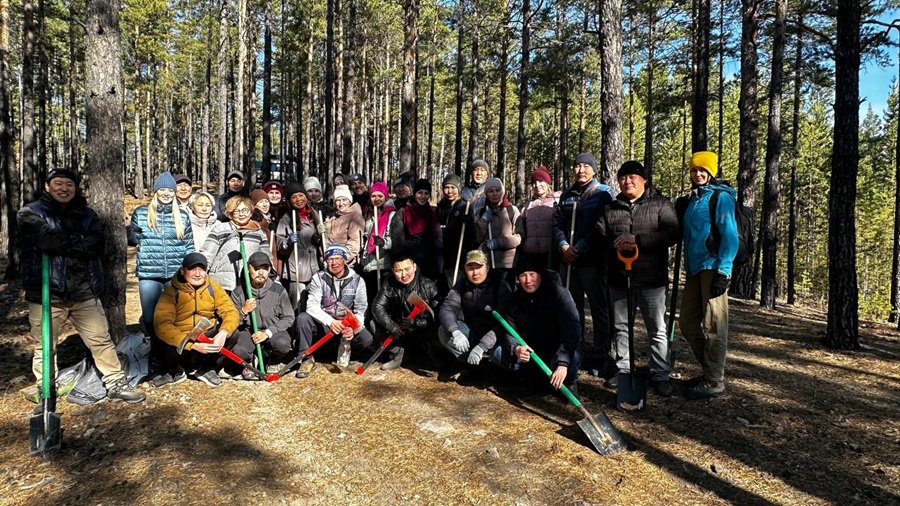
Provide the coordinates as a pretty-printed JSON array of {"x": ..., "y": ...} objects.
[
  {"x": 342, "y": 191},
  {"x": 312, "y": 183}
]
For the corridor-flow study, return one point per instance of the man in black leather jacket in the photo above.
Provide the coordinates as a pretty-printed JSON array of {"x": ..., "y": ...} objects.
[{"x": 390, "y": 309}]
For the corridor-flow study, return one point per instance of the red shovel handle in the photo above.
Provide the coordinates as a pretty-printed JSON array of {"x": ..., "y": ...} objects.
[
  {"x": 203, "y": 338},
  {"x": 377, "y": 354}
]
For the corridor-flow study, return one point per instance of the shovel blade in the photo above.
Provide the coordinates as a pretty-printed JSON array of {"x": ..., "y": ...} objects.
[
  {"x": 631, "y": 393},
  {"x": 45, "y": 431},
  {"x": 606, "y": 440}
]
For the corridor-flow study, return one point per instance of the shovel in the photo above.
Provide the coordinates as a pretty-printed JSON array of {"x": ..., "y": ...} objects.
[
  {"x": 44, "y": 429},
  {"x": 670, "y": 325},
  {"x": 419, "y": 305},
  {"x": 599, "y": 429},
  {"x": 572, "y": 242},
  {"x": 631, "y": 394},
  {"x": 249, "y": 287},
  {"x": 349, "y": 320}
]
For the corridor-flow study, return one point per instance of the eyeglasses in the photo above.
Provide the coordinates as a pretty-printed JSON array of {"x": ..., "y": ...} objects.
[{"x": 242, "y": 211}]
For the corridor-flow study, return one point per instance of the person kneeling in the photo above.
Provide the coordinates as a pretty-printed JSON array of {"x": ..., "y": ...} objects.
[
  {"x": 544, "y": 314},
  {"x": 391, "y": 309},
  {"x": 190, "y": 296},
  {"x": 333, "y": 292},
  {"x": 273, "y": 309}
]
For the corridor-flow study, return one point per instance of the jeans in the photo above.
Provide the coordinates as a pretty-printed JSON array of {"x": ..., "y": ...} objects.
[
  {"x": 590, "y": 281},
  {"x": 704, "y": 324},
  {"x": 149, "y": 291},
  {"x": 275, "y": 348},
  {"x": 652, "y": 303},
  {"x": 509, "y": 362}
]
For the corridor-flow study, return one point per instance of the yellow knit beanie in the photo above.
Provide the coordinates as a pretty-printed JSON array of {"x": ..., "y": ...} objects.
[{"x": 705, "y": 160}]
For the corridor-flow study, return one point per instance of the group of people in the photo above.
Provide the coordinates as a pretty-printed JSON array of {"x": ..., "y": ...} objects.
[{"x": 276, "y": 268}]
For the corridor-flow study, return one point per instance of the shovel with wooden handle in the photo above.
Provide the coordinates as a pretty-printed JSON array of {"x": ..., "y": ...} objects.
[
  {"x": 599, "y": 429},
  {"x": 377, "y": 249},
  {"x": 462, "y": 235},
  {"x": 631, "y": 393},
  {"x": 571, "y": 242},
  {"x": 44, "y": 430},
  {"x": 296, "y": 263},
  {"x": 419, "y": 305},
  {"x": 349, "y": 320}
]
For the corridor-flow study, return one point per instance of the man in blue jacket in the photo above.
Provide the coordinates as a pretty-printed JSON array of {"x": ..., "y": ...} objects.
[
  {"x": 707, "y": 263},
  {"x": 580, "y": 251}
]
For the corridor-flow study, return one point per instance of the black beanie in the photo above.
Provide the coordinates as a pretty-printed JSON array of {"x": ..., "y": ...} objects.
[
  {"x": 294, "y": 187},
  {"x": 452, "y": 180},
  {"x": 422, "y": 184},
  {"x": 631, "y": 167},
  {"x": 528, "y": 263},
  {"x": 588, "y": 159}
]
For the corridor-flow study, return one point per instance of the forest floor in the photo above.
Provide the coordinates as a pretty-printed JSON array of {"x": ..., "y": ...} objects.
[{"x": 801, "y": 424}]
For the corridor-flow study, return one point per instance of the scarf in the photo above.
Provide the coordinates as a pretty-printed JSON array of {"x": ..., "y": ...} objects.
[
  {"x": 305, "y": 213},
  {"x": 416, "y": 218},
  {"x": 380, "y": 227}
]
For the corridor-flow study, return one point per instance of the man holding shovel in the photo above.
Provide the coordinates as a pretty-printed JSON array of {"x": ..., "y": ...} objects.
[
  {"x": 640, "y": 216},
  {"x": 61, "y": 225},
  {"x": 544, "y": 314},
  {"x": 274, "y": 313},
  {"x": 330, "y": 291},
  {"x": 392, "y": 306},
  {"x": 191, "y": 295}
]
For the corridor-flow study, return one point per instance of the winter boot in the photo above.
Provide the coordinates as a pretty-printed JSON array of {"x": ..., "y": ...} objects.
[{"x": 120, "y": 391}]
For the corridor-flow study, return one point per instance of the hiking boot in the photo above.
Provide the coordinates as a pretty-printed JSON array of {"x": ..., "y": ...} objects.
[
  {"x": 706, "y": 389},
  {"x": 395, "y": 362},
  {"x": 210, "y": 378},
  {"x": 274, "y": 368},
  {"x": 306, "y": 367},
  {"x": 612, "y": 382},
  {"x": 663, "y": 388},
  {"x": 120, "y": 391}
]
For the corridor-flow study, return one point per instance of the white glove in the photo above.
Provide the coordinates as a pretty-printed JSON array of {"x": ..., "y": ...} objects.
[
  {"x": 459, "y": 341},
  {"x": 476, "y": 355},
  {"x": 321, "y": 228}
]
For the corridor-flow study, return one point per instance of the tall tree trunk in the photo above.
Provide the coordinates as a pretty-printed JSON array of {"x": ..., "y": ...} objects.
[
  {"x": 795, "y": 158},
  {"x": 771, "y": 202},
  {"x": 611, "y": 100},
  {"x": 340, "y": 104},
  {"x": 267, "y": 96},
  {"x": 895, "y": 260},
  {"x": 105, "y": 155},
  {"x": 700, "y": 110},
  {"x": 206, "y": 161},
  {"x": 408, "y": 128},
  {"x": 742, "y": 277},
  {"x": 12, "y": 195},
  {"x": 222, "y": 78},
  {"x": 721, "y": 78},
  {"x": 386, "y": 128},
  {"x": 31, "y": 180},
  {"x": 648, "y": 121},
  {"x": 329, "y": 94},
  {"x": 138, "y": 159},
  {"x": 473, "y": 90},
  {"x": 350, "y": 91},
  {"x": 843, "y": 297},
  {"x": 239, "y": 87},
  {"x": 308, "y": 141},
  {"x": 431, "y": 70},
  {"x": 524, "y": 64},
  {"x": 74, "y": 154},
  {"x": 504, "y": 80},
  {"x": 582, "y": 109},
  {"x": 458, "y": 169},
  {"x": 564, "y": 132}
]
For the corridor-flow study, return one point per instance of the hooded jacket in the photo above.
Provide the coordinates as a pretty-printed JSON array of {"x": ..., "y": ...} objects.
[
  {"x": 390, "y": 305},
  {"x": 346, "y": 228},
  {"x": 547, "y": 320},
  {"x": 651, "y": 219},
  {"x": 222, "y": 250},
  {"x": 274, "y": 311},
  {"x": 473, "y": 304},
  {"x": 72, "y": 237},
  {"x": 700, "y": 252},
  {"x": 591, "y": 198},
  {"x": 160, "y": 252},
  {"x": 181, "y": 305}
]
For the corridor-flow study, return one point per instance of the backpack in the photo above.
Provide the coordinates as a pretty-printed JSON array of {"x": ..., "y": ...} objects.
[{"x": 744, "y": 217}]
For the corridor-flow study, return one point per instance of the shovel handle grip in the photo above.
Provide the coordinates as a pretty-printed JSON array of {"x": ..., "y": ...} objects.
[
  {"x": 627, "y": 259},
  {"x": 534, "y": 357}
]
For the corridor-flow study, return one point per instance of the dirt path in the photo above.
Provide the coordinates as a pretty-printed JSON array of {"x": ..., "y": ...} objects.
[{"x": 801, "y": 425}]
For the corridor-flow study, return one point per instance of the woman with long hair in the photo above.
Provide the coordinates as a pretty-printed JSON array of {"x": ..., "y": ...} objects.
[
  {"x": 223, "y": 245},
  {"x": 303, "y": 237},
  {"x": 203, "y": 216},
  {"x": 421, "y": 235}
]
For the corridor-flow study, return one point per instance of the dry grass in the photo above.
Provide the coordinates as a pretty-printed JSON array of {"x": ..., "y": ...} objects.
[{"x": 801, "y": 425}]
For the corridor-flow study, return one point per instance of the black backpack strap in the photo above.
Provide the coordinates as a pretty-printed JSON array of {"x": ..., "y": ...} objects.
[{"x": 713, "y": 228}]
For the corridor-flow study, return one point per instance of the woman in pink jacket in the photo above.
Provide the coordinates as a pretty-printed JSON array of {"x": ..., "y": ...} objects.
[{"x": 536, "y": 223}]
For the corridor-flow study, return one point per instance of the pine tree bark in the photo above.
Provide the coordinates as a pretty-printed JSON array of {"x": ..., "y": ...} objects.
[
  {"x": 458, "y": 146},
  {"x": 267, "y": 95},
  {"x": 504, "y": 81},
  {"x": 843, "y": 297},
  {"x": 429, "y": 160},
  {"x": 206, "y": 161},
  {"x": 74, "y": 152},
  {"x": 138, "y": 159},
  {"x": 222, "y": 78},
  {"x": 700, "y": 110},
  {"x": 895, "y": 260},
  {"x": 742, "y": 282},
  {"x": 771, "y": 201},
  {"x": 721, "y": 134},
  {"x": 795, "y": 155},
  {"x": 30, "y": 177},
  {"x": 13, "y": 195},
  {"x": 524, "y": 64},
  {"x": 611, "y": 99},
  {"x": 473, "y": 91},
  {"x": 329, "y": 94},
  {"x": 104, "y": 149},
  {"x": 649, "y": 120},
  {"x": 349, "y": 164},
  {"x": 408, "y": 126}
]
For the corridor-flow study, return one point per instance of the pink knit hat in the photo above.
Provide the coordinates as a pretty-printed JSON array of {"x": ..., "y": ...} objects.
[{"x": 380, "y": 187}]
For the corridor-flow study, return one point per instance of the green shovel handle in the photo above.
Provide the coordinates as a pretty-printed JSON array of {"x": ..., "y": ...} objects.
[
  {"x": 46, "y": 341},
  {"x": 537, "y": 360},
  {"x": 249, "y": 287}
]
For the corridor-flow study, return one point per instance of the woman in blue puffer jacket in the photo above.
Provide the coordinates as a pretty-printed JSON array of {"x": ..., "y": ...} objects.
[{"x": 162, "y": 233}]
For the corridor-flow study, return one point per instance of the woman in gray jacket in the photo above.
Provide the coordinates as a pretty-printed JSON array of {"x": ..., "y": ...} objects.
[{"x": 222, "y": 248}]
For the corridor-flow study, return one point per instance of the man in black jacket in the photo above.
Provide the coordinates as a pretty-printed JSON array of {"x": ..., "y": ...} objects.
[
  {"x": 390, "y": 309},
  {"x": 544, "y": 314},
  {"x": 234, "y": 187},
  {"x": 452, "y": 213},
  {"x": 468, "y": 330},
  {"x": 61, "y": 225},
  {"x": 640, "y": 216},
  {"x": 274, "y": 313}
]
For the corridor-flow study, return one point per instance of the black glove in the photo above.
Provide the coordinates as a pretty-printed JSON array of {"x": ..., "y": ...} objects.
[
  {"x": 379, "y": 241},
  {"x": 719, "y": 285},
  {"x": 415, "y": 323},
  {"x": 398, "y": 331}
]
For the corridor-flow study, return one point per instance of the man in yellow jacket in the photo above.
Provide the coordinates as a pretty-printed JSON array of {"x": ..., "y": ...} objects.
[{"x": 190, "y": 296}]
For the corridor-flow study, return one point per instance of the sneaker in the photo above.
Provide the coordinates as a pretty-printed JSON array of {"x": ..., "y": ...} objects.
[
  {"x": 248, "y": 375},
  {"x": 663, "y": 388},
  {"x": 225, "y": 375},
  {"x": 273, "y": 368},
  {"x": 395, "y": 362},
  {"x": 120, "y": 391},
  {"x": 32, "y": 393},
  {"x": 706, "y": 390},
  {"x": 168, "y": 379},
  {"x": 612, "y": 382},
  {"x": 306, "y": 367},
  {"x": 210, "y": 378}
]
